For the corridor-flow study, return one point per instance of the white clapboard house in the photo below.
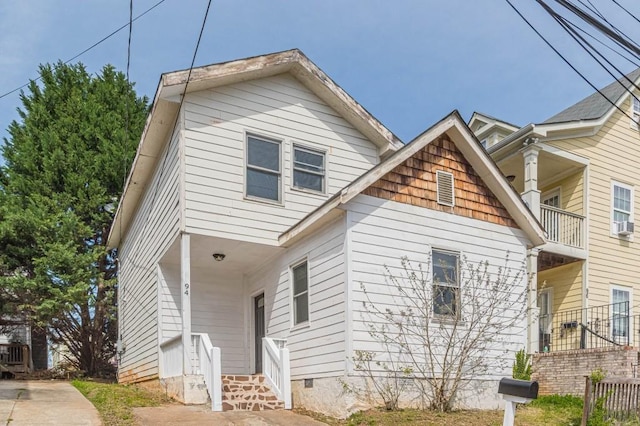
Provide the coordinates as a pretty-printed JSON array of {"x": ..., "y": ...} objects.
[{"x": 258, "y": 202}]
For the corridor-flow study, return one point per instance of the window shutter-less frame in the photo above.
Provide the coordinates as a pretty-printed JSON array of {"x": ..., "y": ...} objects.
[{"x": 444, "y": 181}]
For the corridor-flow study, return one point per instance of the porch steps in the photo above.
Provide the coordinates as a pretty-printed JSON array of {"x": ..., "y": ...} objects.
[{"x": 248, "y": 393}]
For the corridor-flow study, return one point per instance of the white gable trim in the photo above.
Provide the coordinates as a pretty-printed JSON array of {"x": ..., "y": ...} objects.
[{"x": 457, "y": 130}]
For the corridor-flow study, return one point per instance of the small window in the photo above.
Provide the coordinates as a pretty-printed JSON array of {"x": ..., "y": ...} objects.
[
  {"x": 483, "y": 142},
  {"x": 444, "y": 183},
  {"x": 308, "y": 169},
  {"x": 263, "y": 169},
  {"x": 446, "y": 285},
  {"x": 621, "y": 204},
  {"x": 300, "y": 278},
  {"x": 635, "y": 112}
]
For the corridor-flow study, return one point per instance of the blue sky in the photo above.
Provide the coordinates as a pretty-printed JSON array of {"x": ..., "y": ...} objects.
[{"x": 409, "y": 62}]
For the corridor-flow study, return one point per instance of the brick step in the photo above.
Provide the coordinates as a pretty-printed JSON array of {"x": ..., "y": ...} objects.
[{"x": 248, "y": 393}]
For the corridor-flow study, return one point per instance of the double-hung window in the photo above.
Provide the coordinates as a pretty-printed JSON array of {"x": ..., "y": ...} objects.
[
  {"x": 308, "y": 169},
  {"x": 300, "y": 278},
  {"x": 446, "y": 284},
  {"x": 621, "y": 205},
  {"x": 263, "y": 169},
  {"x": 635, "y": 112}
]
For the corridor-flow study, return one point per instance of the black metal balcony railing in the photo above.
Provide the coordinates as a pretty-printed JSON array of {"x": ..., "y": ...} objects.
[
  {"x": 597, "y": 327},
  {"x": 562, "y": 227}
]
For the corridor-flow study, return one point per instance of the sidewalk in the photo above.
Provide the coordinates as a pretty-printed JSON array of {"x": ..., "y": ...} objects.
[
  {"x": 202, "y": 415},
  {"x": 44, "y": 402}
]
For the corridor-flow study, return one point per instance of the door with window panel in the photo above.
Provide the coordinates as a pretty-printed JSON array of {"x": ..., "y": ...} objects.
[{"x": 620, "y": 326}]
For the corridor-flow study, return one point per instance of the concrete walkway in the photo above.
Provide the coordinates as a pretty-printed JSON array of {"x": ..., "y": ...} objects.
[
  {"x": 44, "y": 402},
  {"x": 202, "y": 415}
]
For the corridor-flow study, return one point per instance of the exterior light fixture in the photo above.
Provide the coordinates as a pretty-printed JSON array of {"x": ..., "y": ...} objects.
[
  {"x": 219, "y": 257},
  {"x": 511, "y": 178}
]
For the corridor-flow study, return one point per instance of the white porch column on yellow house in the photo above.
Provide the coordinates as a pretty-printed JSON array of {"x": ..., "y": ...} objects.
[
  {"x": 185, "y": 301},
  {"x": 533, "y": 312},
  {"x": 531, "y": 194}
]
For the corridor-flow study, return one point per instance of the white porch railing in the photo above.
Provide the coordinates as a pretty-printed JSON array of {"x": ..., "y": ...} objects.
[
  {"x": 171, "y": 357},
  {"x": 207, "y": 361},
  {"x": 562, "y": 227},
  {"x": 276, "y": 368}
]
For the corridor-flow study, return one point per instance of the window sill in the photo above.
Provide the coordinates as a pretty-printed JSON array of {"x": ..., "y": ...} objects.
[
  {"x": 309, "y": 191},
  {"x": 263, "y": 201},
  {"x": 301, "y": 326}
]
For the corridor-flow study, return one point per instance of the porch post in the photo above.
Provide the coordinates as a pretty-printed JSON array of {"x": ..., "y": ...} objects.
[
  {"x": 531, "y": 194},
  {"x": 185, "y": 301},
  {"x": 533, "y": 312}
]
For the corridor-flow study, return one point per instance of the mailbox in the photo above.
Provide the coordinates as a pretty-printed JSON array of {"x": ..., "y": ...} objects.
[{"x": 520, "y": 388}]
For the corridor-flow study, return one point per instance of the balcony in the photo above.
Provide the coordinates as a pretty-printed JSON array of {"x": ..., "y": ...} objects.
[{"x": 565, "y": 232}]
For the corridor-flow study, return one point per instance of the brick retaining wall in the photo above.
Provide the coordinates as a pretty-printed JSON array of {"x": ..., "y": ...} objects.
[{"x": 563, "y": 372}]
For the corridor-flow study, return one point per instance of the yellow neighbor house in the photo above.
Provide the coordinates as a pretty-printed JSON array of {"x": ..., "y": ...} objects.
[{"x": 578, "y": 172}]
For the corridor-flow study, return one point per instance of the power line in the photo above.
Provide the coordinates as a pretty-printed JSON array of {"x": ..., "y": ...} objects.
[
  {"x": 629, "y": 13},
  {"x": 92, "y": 46},
  {"x": 561, "y": 55}
]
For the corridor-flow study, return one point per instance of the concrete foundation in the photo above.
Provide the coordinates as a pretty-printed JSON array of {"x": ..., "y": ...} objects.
[
  {"x": 186, "y": 389},
  {"x": 329, "y": 396}
]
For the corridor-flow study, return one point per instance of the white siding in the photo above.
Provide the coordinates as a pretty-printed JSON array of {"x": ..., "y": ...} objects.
[
  {"x": 317, "y": 349},
  {"x": 382, "y": 232},
  {"x": 278, "y": 107},
  {"x": 216, "y": 309},
  {"x": 171, "y": 315},
  {"x": 152, "y": 230}
]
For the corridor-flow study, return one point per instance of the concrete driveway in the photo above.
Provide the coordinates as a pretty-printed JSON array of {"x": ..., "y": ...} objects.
[{"x": 44, "y": 402}]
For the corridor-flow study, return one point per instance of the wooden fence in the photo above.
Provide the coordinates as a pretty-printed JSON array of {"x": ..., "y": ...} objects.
[{"x": 615, "y": 398}]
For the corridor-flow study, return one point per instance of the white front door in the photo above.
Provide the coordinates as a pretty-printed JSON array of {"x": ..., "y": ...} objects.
[
  {"x": 620, "y": 314},
  {"x": 545, "y": 319}
]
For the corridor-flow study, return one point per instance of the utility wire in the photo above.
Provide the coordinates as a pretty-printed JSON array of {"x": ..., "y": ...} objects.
[
  {"x": 146, "y": 229},
  {"x": 591, "y": 51},
  {"x": 92, "y": 46},
  {"x": 629, "y": 13},
  {"x": 594, "y": 38}
]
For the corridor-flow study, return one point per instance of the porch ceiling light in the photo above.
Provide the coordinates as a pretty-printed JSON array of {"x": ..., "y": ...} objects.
[
  {"x": 219, "y": 257},
  {"x": 511, "y": 178}
]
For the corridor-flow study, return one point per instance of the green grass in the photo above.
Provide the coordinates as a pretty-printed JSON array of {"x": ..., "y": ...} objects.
[{"x": 115, "y": 402}]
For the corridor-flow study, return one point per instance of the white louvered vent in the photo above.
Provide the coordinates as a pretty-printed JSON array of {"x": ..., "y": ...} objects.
[{"x": 444, "y": 181}]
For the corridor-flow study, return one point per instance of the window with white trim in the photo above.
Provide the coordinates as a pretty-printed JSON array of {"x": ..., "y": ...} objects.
[
  {"x": 620, "y": 301},
  {"x": 446, "y": 283},
  {"x": 308, "y": 169},
  {"x": 635, "y": 112},
  {"x": 621, "y": 204},
  {"x": 300, "y": 293},
  {"x": 263, "y": 174}
]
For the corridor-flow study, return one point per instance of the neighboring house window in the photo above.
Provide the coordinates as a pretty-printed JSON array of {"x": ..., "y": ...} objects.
[
  {"x": 444, "y": 184},
  {"x": 621, "y": 205},
  {"x": 446, "y": 284},
  {"x": 635, "y": 112},
  {"x": 620, "y": 301},
  {"x": 300, "y": 278},
  {"x": 263, "y": 168},
  {"x": 308, "y": 169},
  {"x": 483, "y": 142}
]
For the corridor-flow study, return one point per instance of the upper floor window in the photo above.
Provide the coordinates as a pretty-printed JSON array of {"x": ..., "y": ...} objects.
[
  {"x": 300, "y": 294},
  {"x": 635, "y": 112},
  {"x": 446, "y": 283},
  {"x": 308, "y": 169},
  {"x": 621, "y": 207},
  {"x": 263, "y": 169}
]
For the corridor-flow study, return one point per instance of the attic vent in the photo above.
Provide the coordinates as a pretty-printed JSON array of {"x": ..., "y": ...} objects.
[{"x": 444, "y": 181}]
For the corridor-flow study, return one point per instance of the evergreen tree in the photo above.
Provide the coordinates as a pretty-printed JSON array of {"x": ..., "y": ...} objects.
[{"x": 66, "y": 160}]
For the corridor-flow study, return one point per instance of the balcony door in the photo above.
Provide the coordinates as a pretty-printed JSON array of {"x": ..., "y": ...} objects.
[{"x": 552, "y": 225}]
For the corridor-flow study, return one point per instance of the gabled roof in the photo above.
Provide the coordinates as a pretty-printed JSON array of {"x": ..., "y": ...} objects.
[
  {"x": 596, "y": 105},
  {"x": 454, "y": 126},
  {"x": 166, "y": 103},
  {"x": 485, "y": 118}
]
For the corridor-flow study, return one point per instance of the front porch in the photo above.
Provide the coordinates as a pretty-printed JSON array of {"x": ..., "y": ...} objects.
[{"x": 212, "y": 340}]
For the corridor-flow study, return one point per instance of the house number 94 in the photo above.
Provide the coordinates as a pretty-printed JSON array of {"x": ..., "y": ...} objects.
[{"x": 186, "y": 289}]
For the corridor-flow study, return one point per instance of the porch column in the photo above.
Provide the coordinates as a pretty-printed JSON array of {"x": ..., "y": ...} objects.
[
  {"x": 533, "y": 312},
  {"x": 531, "y": 194},
  {"x": 185, "y": 301}
]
